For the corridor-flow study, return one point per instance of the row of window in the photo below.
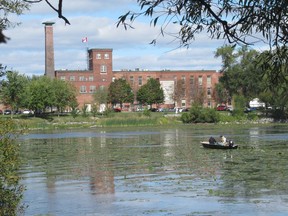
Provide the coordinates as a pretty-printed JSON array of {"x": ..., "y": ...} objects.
[
  {"x": 99, "y": 56},
  {"x": 103, "y": 70},
  {"x": 183, "y": 78},
  {"x": 92, "y": 89}
]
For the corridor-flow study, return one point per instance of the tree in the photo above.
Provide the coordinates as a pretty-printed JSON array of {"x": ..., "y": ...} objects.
[
  {"x": 100, "y": 97},
  {"x": 179, "y": 91},
  {"x": 39, "y": 93},
  {"x": 151, "y": 93},
  {"x": 17, "y": 7},
  {"x": 241, "y": 74},
  {"x": 63, "y": 93},
  {"x": 11, "y": 191},
  {"x": 8, "y": 7},
  {"x": 12, "y": 89},
  {"x": 120, "y": 92}
]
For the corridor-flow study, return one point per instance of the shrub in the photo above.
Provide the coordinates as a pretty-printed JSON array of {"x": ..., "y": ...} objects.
[
  {"x": 10, "y": 189},
  {"x": 198, "y": 114}
]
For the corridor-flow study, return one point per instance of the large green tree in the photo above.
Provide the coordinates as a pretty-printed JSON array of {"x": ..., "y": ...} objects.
[
  {"x": 241, "y": 74},
  {"x": 12, "y": 89},
  {"x": 43, "y": 92},
  {"x": 150, "y": 93},
  {"x": 63, "y": 93},
  {"x": 120, "y": 92}
]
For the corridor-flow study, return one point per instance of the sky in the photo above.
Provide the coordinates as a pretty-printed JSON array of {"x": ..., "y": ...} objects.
[{"x": 96, "y": 20}]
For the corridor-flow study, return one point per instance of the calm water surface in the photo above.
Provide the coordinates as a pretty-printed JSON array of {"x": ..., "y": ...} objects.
[{"x": 155, "y": 171}]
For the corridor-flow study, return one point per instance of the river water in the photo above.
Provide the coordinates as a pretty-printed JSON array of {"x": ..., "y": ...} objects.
[{"x": 155, "y": 171}]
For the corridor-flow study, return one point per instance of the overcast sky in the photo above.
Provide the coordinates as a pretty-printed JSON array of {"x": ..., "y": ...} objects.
[{"x": 96, "y": 20}]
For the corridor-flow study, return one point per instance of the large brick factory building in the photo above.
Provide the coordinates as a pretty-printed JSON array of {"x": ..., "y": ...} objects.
[{"x": 189, "y": 84}]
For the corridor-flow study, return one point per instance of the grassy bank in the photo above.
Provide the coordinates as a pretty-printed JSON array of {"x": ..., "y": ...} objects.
[
  {"x": 111, "y": 120},
  {"x": 124, "y": 119}
]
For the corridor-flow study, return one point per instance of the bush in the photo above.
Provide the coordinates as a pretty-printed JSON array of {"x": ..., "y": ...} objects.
[
  {"x": 198, "y": 114},
  {"x": 10, "y": 189}
]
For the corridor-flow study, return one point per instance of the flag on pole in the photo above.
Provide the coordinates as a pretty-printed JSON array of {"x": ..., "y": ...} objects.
[{"x": 84, "y": 40}]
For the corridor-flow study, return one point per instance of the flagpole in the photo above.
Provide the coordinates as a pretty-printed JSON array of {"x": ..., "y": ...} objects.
[{"x": 85, "y": 40}]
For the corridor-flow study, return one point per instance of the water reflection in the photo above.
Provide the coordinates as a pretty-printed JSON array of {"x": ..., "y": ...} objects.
[{"x": 154, "y": 171}]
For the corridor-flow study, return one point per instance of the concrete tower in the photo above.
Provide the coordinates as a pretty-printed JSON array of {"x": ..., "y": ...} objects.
[{"x": 49, "y": 50}]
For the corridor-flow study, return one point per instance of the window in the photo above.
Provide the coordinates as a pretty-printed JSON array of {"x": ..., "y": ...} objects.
[
  {"x": 191, "y": 80},
  {"x": 106, "y": 56},
  {"x": 183, "y": 103},
  {"x": 209, "y": 92},
  {"x": 81, "y": 78},
  {"x": 62, "y": 77},
  {"x": 200, "y": 82},
  {"x": 103, "y": 69},
  {"x": 208, "y": 80},
  {"x": 131, "y": 80},
  {"x": 83, "y": 89},
  {"x": 140, "y": 80},
  {"x": 92, "y": 89},
  {"x": 183, "y": 78},
  {"x": 72, "y": 78},
  {"x": 91, "y": 78},
  {"x": 209, "y": 104},
  {"x": 98, "y": 56}
]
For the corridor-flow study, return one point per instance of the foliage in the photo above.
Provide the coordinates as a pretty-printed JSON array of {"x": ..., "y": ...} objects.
[
  {"x": 100, "y": 96},
  {"x": 241, "y": 76},
  {"x": 94, "y": 110},
  {"x": 198, "y": 114},
  {"x": 2, "y": 70},
  {"x": 275, "y": 79},
  {"x": 63, "y": 93},
  {"x": 179, "y": 91},
  {"x": 84, "y": 111},
  {"x": 74, "y": 108},
  {"x": 150, "y": 93},
  {"x": 239, "y": 105},
  {"x": 12, "y": 90},
  {"x": 237, "y": 21},
  {"x": 38, "y": 93},
  {"x": 121, "y": 92},
  {"x": 147, "y": 112},
  {"x": 10, "y": 189},
  {"x": 8, "y": 7}
]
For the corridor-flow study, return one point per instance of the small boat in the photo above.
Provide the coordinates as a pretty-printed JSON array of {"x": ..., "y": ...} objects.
[{"x": 218, "y": 145}]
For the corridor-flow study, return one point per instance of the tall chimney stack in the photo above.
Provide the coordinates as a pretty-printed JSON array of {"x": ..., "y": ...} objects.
[{"x": 49, "y": 50}]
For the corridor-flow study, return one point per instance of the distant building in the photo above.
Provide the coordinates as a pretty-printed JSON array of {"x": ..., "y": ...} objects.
[{"x": 181, "y": 87}]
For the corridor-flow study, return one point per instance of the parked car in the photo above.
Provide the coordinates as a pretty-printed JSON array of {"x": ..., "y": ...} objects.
[
  {"x": 229, "y": 108},
  {"x": 27, "y": 112},
  {"x": 153, "y": 109},
  {"x": 117, "y": 109},
  {"x": 7, "y": 112},
  {"x": 221, "y": 108}
]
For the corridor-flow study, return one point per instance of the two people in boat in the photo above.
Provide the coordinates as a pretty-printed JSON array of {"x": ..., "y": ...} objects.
[{"x": 223, "y": 141}]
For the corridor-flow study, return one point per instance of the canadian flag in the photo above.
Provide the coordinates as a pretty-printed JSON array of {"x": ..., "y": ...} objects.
[{"x": 84, "y": 40}]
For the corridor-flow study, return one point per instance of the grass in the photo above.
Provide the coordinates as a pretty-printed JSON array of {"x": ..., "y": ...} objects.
[
  {"x": 123, "y": 119},
  {"x": 52, "y": 121}
]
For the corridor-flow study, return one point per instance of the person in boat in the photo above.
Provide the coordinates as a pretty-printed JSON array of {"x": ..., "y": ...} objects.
[
  {"x": 212, "y": 140},
  {"x": 223, "y": 140}
]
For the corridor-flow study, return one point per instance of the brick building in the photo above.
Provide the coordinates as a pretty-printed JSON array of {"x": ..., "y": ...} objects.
[{"x": 181, "y": 87}]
